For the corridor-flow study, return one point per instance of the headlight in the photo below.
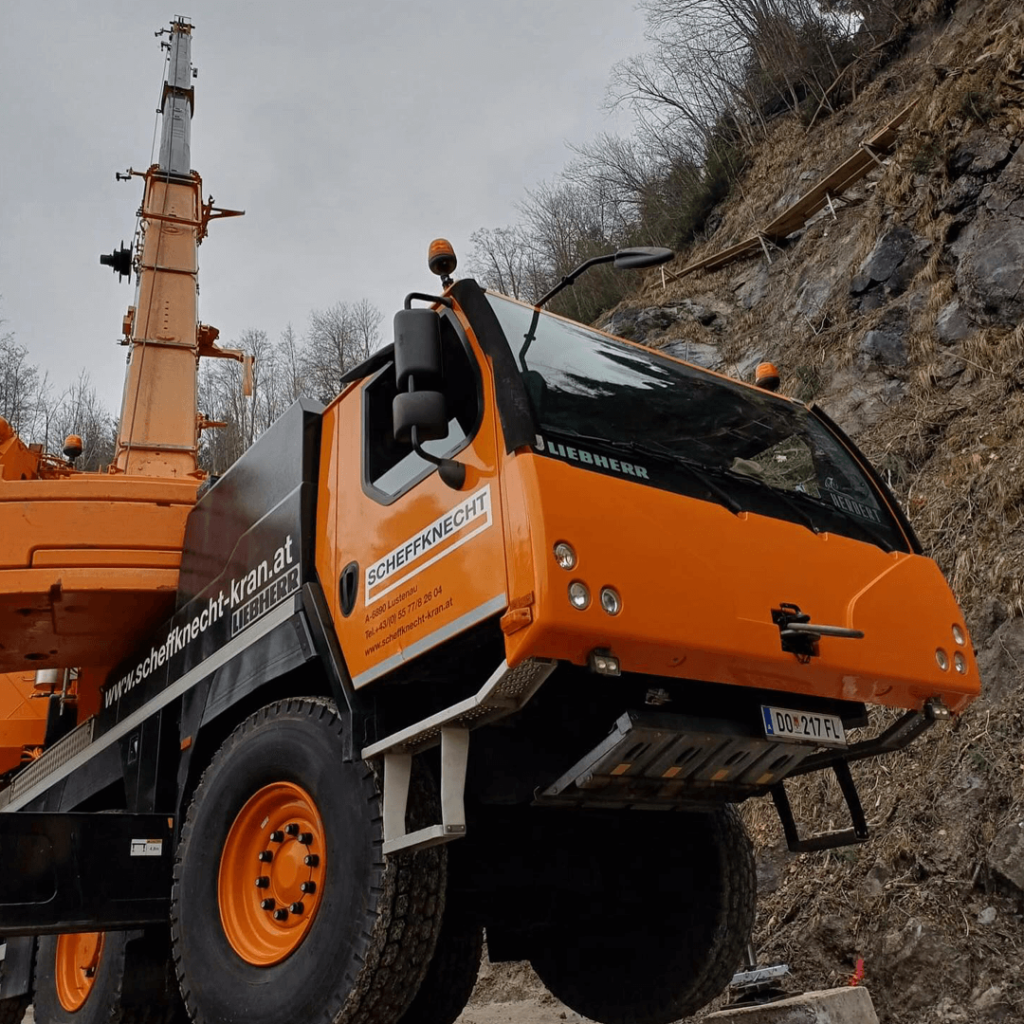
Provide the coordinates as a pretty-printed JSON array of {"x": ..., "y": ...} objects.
[
  {"x": 610, "y": 600},
  {"x": 579, "y": 595},
  {"x": 565, "y": 556}
]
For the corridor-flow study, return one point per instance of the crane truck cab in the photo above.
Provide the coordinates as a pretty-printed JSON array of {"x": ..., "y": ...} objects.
[{"x": 498, "y": 639}]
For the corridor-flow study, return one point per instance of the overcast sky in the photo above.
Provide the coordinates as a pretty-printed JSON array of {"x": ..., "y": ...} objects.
[{"x": 351, "y": 132}]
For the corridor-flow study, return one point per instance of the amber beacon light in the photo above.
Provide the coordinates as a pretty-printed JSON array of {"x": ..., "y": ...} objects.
[{"x": 441, "y": 260}]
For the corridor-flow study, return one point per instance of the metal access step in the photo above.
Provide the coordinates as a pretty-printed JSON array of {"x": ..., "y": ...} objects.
[
  {"x": 506, "y": 691},
  {"x": 657, "y": 761}
]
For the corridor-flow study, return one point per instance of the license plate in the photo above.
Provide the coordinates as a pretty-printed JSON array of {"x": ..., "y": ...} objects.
[{"x": 803, "y": 727}]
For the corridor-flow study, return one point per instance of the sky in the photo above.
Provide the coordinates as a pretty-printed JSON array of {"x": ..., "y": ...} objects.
[{"x": 352, "y": 133}]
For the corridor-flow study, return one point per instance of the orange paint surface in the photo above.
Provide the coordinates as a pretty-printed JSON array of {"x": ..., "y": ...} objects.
[
  {"x": 698, "y": 585},
  {"x": 89, "y": 564},
  {"x": 22, "y": 718}
]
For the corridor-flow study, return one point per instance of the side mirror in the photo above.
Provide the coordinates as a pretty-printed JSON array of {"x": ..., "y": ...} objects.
[
  {"x": 640, "y": 257},
  {"x": 418, "y": 406},
  {"x": 417, "y": 347},
  {"x": 418, "y": 412},
  {"x": 422, "y": 411}
]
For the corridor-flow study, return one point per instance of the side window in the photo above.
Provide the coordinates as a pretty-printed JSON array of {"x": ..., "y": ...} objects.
[{"x": 391, "y": 468}]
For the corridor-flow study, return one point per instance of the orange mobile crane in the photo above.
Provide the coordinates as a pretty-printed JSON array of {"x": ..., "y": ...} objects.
[{"x": 495, "y": 640}]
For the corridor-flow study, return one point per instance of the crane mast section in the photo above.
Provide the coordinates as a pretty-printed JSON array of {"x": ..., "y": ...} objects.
[
  {"x": 177, "y": 105},
  {"x": 159, "y": 434}
]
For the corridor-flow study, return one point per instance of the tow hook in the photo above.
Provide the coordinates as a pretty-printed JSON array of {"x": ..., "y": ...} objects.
[{"x": 800, "y": 635}]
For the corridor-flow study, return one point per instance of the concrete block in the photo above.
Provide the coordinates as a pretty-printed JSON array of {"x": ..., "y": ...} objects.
[{"x": 832, "y": 1006}]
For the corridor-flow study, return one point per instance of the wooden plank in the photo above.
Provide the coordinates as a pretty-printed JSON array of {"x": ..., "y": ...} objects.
[{"x": 795, "y": 216}]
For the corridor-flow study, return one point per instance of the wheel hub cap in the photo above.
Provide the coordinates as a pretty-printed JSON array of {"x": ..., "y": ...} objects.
[
  {"x": 78, "y": 958},
  {"x": 269, "y": 886}
]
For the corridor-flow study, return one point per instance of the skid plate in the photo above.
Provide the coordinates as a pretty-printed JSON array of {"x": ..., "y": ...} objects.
[{"x": 661, "y": 760}]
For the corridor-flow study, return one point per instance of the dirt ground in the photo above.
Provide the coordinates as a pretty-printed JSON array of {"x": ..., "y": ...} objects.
[{"x": 513, "y": 994}]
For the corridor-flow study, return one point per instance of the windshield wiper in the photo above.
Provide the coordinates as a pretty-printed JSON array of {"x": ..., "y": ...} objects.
[
  {"x": 794, "y": 503},
  {"x": 657, "y": 451},
  {"x": 791, "y": 503},
  {"x": 879, "y": 538}
]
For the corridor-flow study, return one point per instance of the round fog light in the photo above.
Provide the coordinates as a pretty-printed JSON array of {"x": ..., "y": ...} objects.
[
  {"x": 958, "y": 635},
  {"x": 942, "y": 658},
  {"x": 961, "y": 663},
  {"x": 564, "y": 555},
  {"x": 610, "y": 600},
  {"x": 579, "y": 596}
]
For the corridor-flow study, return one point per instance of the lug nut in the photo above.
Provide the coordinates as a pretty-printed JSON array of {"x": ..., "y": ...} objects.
[
  {"x": 292, "y": 829},
  {"x": 296, "y": 908},
  {"x": 267, "y": 904},
  {"x": 311, "y": 860},
  {"x": 262, "y": 882},
  {"x": 281, "y": 914},
  {"x": 306, "y": 838},
  {"x": 277, "y": 837},
  {"x": 265, "y": 856},
  {"x": 309, "y": 887}
]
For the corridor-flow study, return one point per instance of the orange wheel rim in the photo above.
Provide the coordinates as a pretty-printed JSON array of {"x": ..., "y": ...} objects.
[
  {"x": 78, "y": 959},
  {"x": 270, "y": 883}
]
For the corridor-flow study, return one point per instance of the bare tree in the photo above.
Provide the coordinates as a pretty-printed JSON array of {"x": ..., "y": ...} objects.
[
  {"x": 79, "y": 411},
  {"x": 222, "y": 398},
  {"x": 20, "y": 383},
  {"x": 339, "y": 338},
  {"x": 289, "y": 358},
  {"x": 505, "y": 260}
]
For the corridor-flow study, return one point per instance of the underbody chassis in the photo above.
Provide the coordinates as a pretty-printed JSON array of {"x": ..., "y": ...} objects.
[{"x": 78, "y": 871}]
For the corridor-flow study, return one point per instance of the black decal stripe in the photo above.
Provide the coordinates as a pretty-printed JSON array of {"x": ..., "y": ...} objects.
[{"x": 191, "y": 678}]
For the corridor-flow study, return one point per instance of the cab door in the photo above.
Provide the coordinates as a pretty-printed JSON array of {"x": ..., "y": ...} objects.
[{"x": 416, "y": 562}]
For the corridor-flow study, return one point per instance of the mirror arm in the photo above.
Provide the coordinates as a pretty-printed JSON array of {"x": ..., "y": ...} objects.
[
  {"x": 572, "y": 275},
  {"x": 451, "y": 472}
]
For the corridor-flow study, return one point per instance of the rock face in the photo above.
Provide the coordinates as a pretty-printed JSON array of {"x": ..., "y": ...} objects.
[
  {"x": 645, "y": 324},
  {"x": 990, "y": 274},
  {"x": 884, "y": 345},
  {"x": 980, "y": 152},
  {"x": 952, "y": 324},
  {"x": 832, "y": 1006},
  {"x": 889, "y": 268}
]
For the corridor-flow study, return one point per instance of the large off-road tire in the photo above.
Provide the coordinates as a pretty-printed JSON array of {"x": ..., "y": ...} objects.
[
  {"x": 106, "y": 978},
  {"x": 666, "y": 926},
  {"x": 360, "y": 928},
  {"x": 450, "y": 979},
  {"x": 13, "y": 1009}
]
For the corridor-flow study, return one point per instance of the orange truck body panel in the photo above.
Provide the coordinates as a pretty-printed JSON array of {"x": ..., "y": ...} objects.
[
  {"x": 415, "y": 601},
  {"x": 698, "y": 583},
  {"x": 22, "y": 718},
  {"x": 89, "y": 563}
]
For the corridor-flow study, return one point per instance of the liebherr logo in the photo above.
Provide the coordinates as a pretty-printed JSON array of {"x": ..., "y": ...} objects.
[{"x": 248, "y": 597}]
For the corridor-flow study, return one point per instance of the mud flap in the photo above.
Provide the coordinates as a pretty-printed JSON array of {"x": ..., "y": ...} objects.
[{"x": 83, "y": 872}]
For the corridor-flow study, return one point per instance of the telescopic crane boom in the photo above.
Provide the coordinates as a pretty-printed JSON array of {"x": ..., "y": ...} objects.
[{"x": 160, "y": 425}]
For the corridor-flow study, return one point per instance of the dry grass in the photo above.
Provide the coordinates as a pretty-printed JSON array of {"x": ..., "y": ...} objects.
[{"x": 953, "y": 450}]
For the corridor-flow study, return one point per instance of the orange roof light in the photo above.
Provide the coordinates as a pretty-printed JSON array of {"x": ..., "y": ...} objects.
[
  {"x": 72, "y": 446},
  {"x": 767, "y": 376},
  {"x": 441, "y": 259}
]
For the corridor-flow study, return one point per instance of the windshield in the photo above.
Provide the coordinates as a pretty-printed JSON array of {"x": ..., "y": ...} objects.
[{"x": 686, "y": 430}]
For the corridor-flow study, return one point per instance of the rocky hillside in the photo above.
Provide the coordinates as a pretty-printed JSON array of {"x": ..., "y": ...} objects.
[{"x": 902, "y": 315}]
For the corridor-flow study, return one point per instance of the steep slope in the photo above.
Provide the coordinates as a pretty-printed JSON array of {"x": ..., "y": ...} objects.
[{"x": 902, "y": 315}]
